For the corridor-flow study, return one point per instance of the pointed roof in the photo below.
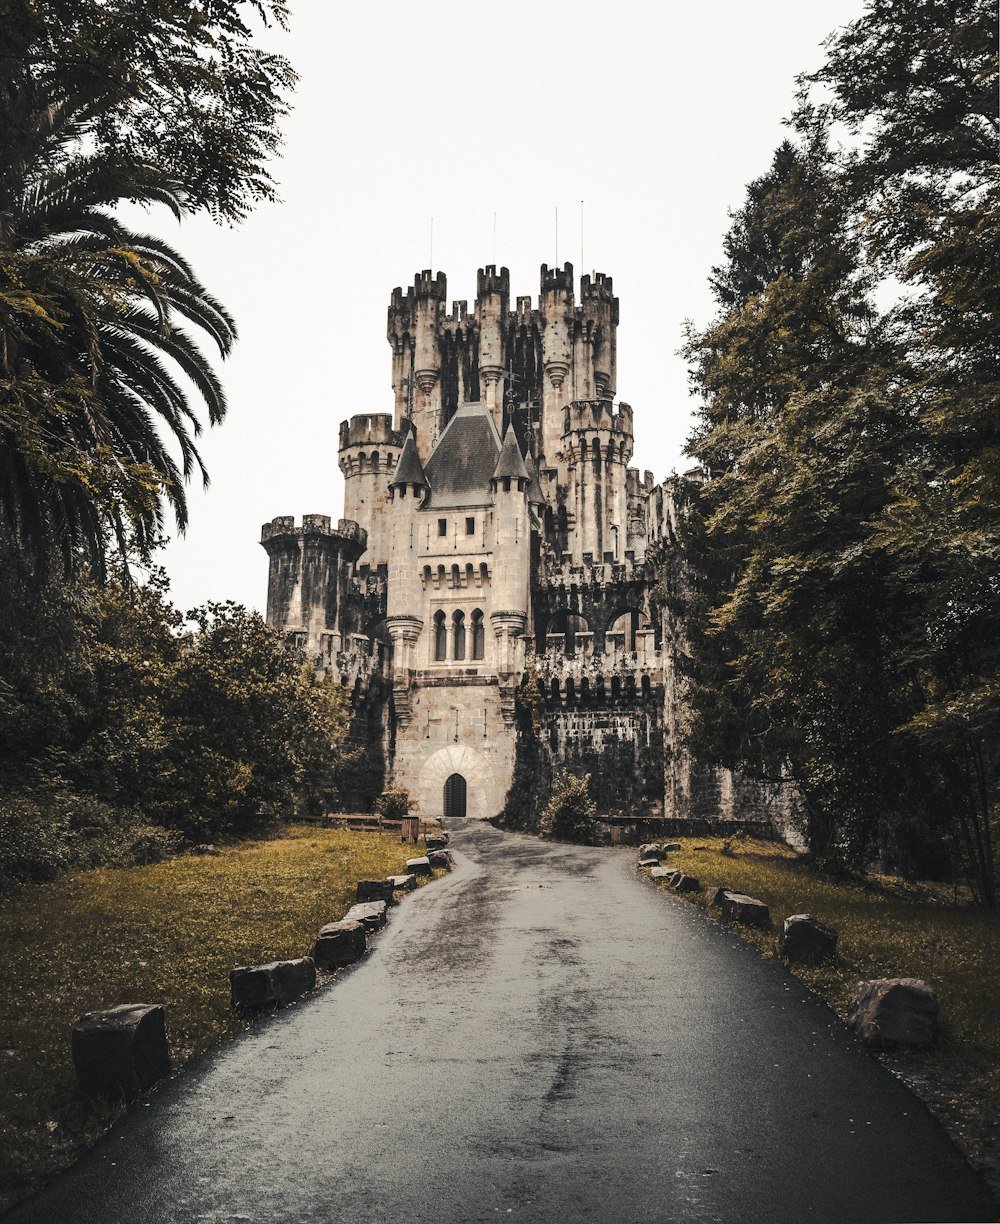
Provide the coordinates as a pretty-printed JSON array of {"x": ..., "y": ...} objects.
[
  {"x": 408, "y": 469},
  {"x": 510, "y": 463},
  {"x": 460, "y": 467},
  {"x": 535, "y": 495}
]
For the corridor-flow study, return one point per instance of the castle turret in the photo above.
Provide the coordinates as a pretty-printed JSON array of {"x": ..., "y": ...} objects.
[
  {"x": 598, "y": 442},
  {"x": 511, "y": 564},
  {"x": 599, "y": 308},
  {"x": 555, "y": 308},
  {"x": 309, "y": 575},
  {"x": 407, "y": 490},
  {"x": 492, "y": 302},
  {"x": 368, "y": 452}
]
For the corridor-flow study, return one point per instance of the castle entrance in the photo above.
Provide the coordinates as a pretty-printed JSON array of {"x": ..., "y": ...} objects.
[{"x": 454, "y": 796}]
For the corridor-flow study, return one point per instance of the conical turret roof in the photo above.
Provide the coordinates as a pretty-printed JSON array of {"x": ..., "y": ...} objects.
[
  {"x": 510, "y": 464},
  {"x": 409, "y": 470},
  {"x": 535, "y": 495}
]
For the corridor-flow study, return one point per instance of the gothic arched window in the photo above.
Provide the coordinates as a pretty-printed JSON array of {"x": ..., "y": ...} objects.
[
  {"x": 440, "y": 638},
  {"x": 459, "y": 621},
  {"x": 478, "y": 635}
]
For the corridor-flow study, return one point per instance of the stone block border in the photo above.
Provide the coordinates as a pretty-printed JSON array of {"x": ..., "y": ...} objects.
[{"x": 122, "y": 1051}]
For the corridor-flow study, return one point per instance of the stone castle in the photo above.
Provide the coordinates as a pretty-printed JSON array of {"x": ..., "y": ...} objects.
[{"x": 496, "y": 540}]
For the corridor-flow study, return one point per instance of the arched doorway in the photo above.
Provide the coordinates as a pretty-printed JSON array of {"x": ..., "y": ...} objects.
[{"x": 454, "y": 796}]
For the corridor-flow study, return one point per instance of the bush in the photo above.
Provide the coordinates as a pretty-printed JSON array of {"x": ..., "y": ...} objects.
[
  {"x": 570, "y": 814},
  {"x": 394, "y": 803},
  {"x": 43, "y": 834}
]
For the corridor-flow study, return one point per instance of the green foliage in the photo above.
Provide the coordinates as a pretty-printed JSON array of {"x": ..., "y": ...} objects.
[
  {"x": 394, "y": 803},
  {"x": 205, "y": 725},
  {"x": 840, "y": 602},
  {"x": 150, "y": 102},
  {"x": 44, "y": 834},
  {"x": 531, "y": 784},
  {"x": 570, "y": 814}
]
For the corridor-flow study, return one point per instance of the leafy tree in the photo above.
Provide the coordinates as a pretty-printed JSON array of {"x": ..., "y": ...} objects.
[
  {"x": 570, "y": 814},
  {"x": 166, "y": 102},
  {"x": 842, "y": 594}
]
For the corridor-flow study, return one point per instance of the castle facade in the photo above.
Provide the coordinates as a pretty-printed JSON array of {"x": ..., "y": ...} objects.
[{"x": 496, "y": 538}]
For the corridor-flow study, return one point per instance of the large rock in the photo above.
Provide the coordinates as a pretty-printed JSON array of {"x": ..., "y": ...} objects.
[
  {"x": 738, "y": 907},
  {"x": 440, "y": 858},
  {"x": 651, "y": 850},
  {"x": 122, "y": 1051},
  {"x": 662, "y": 873},
  {"x": 685, "y": 883},
  {"x": 419, "y": 866},
  {"x": 669, "y": 846},
  {"x": 806, "y": 939},
  {"x": 374, "y": 890},
  {"x": 714, "y": 896},
  {"x": 277, "y": 982},
  {"x": 405, "y": 883},
  {"x": 436, "y": 841},
  {"x": 340, "y": 943},
  {"x": 890, "y": 1011},
  {"x": 371, "y": 913},
  {"x": 649, "y": 860}
]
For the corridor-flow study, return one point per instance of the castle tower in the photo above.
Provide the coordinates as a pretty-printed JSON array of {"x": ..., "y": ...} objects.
[
  {"x": 309, "y": 573},
  {"x": 492, "y": 302},
  {"x": 555, "y": 308},
  {"x": 404, "y": 601},
  {"x": 509, "y": 486},
  {"x": 598, "y": 442},
  {"x": 414, "y": 332},
  {"x": 368, "y": 454}
]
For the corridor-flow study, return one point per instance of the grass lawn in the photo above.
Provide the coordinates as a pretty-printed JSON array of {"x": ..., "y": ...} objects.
[
  {"x": 889, "y": 928},
  {"x": 164, "y": 934}
]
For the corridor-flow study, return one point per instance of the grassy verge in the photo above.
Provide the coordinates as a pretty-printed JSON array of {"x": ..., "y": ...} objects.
[
  {"x": 889, "y": 928},
  {"x": 163, "y": 934}
]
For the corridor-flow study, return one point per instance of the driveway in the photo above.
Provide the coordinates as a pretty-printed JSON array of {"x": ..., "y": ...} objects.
[{"x": 542, "y": 1036}]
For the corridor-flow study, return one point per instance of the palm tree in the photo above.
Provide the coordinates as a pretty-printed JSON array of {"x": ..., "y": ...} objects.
[{"x": 98, "y": 377}]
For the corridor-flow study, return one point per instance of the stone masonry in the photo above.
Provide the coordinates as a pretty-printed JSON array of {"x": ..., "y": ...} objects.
[{"x": 494, "y": 535}]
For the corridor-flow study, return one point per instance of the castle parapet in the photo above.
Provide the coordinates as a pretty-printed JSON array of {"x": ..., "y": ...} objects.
[
  {"x": 598, "y": 415},
  {"x": 370, "y": 429},
  {"x": 347, "y": 533}
]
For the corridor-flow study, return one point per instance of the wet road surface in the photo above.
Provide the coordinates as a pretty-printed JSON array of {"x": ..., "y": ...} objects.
[{"x": 541, "y": 1036}]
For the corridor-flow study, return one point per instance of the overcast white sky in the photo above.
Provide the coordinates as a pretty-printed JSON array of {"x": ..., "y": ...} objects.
[{"x": 657, "y": 116}]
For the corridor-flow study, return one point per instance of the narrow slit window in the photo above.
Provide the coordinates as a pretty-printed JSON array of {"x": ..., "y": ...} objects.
[
  {"x": 442, "y": 527},
  {"x": 470, "y": 526}
]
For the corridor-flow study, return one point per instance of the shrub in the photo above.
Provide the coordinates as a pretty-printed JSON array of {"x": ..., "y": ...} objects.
[
  {"x": 45, "y": 833},
  {"x": 570, "y": 814},
  {"x": 394, "y": 803}
]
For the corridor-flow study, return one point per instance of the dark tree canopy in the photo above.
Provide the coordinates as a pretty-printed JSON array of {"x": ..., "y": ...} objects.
[
  {"x": 105, "y": 101},
  {"x": 843, "y": 549}
]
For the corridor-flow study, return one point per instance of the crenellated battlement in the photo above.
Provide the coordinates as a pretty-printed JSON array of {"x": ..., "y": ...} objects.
[
  {"x": 370, "y": 429},
  {"x": 557, "y": 278},
  {"x": 313, "y": 525},
  {"x": 489, "y": 280},
  {"x": 571, "y": 576},
  {"x": 598, "y": 415}
]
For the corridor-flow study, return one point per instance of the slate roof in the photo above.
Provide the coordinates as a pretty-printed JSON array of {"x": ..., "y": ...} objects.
[
  {"x": 510, "y": 464},
  {"x": 408, "y": 470},
  {"x": 462, "y": 463}
]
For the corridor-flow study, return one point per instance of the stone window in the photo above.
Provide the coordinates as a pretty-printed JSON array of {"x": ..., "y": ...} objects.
[
  {"x": 470, "y": 526},
  {"x": 442, "y": 527},
  {"x": 458, "y": 619},
  {"x": 440, "y": 638},
  {"x": 478, "y": 635}
]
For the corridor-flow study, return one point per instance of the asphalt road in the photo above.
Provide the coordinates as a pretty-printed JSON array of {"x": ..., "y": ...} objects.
[{"x": 542, "y": 1036}]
